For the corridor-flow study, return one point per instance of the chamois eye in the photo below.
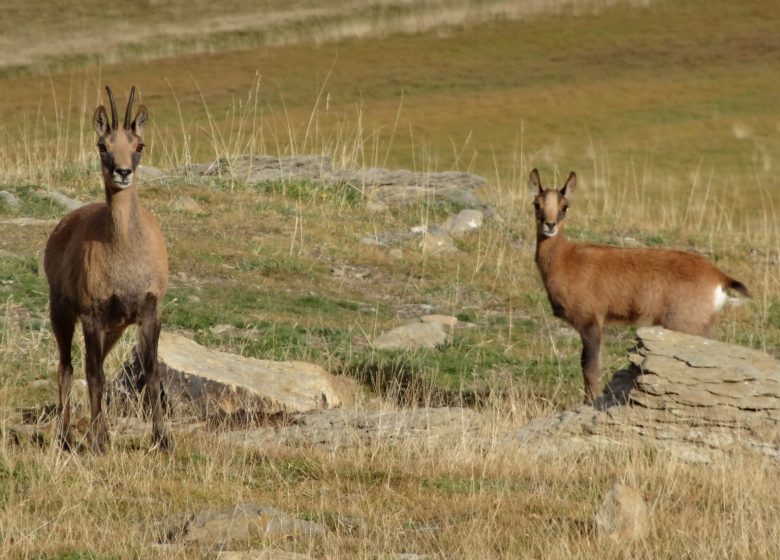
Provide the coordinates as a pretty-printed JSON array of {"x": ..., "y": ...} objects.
[
  {"x": 139, "y": 148},
  {"x": 564, "y": 209},
  {"x": 102, "y": 148}
]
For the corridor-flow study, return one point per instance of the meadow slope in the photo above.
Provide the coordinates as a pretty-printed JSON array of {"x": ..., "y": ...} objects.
[{"x": 666, "y": 110}]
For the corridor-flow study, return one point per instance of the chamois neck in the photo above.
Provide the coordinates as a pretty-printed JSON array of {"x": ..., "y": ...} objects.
[
  {"x": 124, "y": 210},
  {"x": 548, "y": 248}
]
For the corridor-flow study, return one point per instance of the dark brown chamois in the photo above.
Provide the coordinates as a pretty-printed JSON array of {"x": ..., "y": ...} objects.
[
  {"x": 107, "y": 267},
  {"x": 592, "y": 285}
]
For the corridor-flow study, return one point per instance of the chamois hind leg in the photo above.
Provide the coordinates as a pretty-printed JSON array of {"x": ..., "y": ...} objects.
[
  {"x": 590, "y": 360},
  {"x": 148, "y": 337},
  {"x": 63, "y": 324},
  {"x": 110, "y": 340},
  {"x": 94, "y": 341}
]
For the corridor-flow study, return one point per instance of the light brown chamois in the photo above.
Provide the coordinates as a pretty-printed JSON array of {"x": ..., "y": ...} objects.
[
  {"x": 591, "y": 285},
  {"x": 107, "y": 267}
]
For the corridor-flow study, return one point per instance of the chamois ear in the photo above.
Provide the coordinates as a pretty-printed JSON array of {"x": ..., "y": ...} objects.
[
  {"x": 100, "y": 121},
  {"x": 570, "y": 186},
  {"x": 140, "y": 120},
  {"x": 534, "y": 183}
]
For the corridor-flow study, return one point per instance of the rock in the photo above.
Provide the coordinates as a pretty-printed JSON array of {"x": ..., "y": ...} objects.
[
  {"x": 623, "y": 515},
  {"x": 147, "y": 173},
  {"x": 630, "y": 242},
  {"x": 462, "y": 222},
  {"x": 28, "y": 222},
  {"x": 340, "y": 428},
  {"x": 221, "y": 329},
  {"x": 446, "y": 320},
  {"x": 264, "y": 554},
  {"x": 222, "y": 384},
  {"x": 57, "y": 197},
  {"x": 245, "y": 522},
  {"x": 79, "y": 396},
  {"x": 396, "y": 253},
  {"x": 696, "y": 398},
  {"x": 388, "y": 188},
  {"x": 186, "y": 204},
  {"x": 349, "y": 271},
  {"x": 412, "y": 336},
  {"x": 383, "y": 188},
  {"x": 437, "y": 241},
  {"x": 9, "y": 200}
]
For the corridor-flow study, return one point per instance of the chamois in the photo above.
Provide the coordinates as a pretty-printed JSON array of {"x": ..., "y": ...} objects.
[
  {"x": 107, "y": 267},
  {"x": 591, "y": 285}
]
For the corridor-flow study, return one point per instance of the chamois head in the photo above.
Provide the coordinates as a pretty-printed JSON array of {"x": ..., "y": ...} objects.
[
  {"x": 120, "y": 148},
  {"x": 550, "y": 204}
]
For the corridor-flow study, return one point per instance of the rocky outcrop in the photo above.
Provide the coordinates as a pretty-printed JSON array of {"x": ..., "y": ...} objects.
[
  {"x": 56, "y": 197},
  {"x": 219, "y": 384},
  {"x": 335, "y": 429},
  {"x": 412, "y": 336},
  {"x": 623, "y": 515},
  {"x": 696, "y": 397},
  {"x": 246, "y": 522},
  {"x": 381, "y": 187},
  {"x": 9, "y": 199}
]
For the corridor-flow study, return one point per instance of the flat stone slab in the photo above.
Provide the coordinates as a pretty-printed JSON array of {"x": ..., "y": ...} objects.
[
  {"x": 220, "y": 384},
  {"x": 412, "y": 336},
  {"x": 382, "y": 188},
  {"x": 245, "y": 522},
  {"x": 335, "y": 429},
  {"x": 699, "y": 398}
]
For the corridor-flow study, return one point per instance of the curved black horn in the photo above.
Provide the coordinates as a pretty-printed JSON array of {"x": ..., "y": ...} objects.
[
  {"x": 129, "y": 110},
  {"x": 113, "y": 108}
]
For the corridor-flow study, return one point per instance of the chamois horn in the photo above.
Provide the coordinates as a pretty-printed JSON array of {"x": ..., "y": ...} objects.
[{"x": 129, "y": 110}]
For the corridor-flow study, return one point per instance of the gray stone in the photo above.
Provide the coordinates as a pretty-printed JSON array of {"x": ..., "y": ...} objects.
[
  {"x": 698, "y": 399},
  {"x": 623, "y": 515},
  {"x": 9, "y": 199},
  {"x": 186, "y": 204},
  {"x": 221, "y": 329},
  {"x": 65, "y": 201},
  {"x": 412, "y": 336},
  {"x": 220, "y": 384},
  {"x": 79, "y": 396},
  {"x": 147, "y": 173},
  {"x": 382, "y": 188},
  {"x": 446, "y": 320},
  {"x": 28, "y": 222},
  {"x": 463, "y": 222},
  {"x": 245, "y": 522},
  {"x": 350, "y": 271},
  {"x": 436, "y": 241},
  {"x": 340, "y": 428},
  {"x": 263, "y": 554}
]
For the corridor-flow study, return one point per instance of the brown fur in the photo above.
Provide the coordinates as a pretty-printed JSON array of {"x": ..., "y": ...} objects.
[
  {"x": 107, "y": 267},
  {"x": 592, "y": 285}
]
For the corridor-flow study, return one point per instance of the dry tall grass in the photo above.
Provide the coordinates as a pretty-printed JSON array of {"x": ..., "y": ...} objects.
[{"x": 449, "y": 499}]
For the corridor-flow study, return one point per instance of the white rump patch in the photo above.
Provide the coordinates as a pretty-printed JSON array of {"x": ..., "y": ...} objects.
[{"x": 720, "y": 298}]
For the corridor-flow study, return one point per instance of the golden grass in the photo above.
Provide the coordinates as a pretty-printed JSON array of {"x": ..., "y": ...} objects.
[{"x": 669, "y": 151}]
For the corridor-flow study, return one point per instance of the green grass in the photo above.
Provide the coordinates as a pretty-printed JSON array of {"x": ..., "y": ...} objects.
[{"x": 668, "y": 114}]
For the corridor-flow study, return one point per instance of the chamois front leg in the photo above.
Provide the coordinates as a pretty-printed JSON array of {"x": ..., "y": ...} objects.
[
  {"x": 590, "y": 360},
  {"x": 148, "y": 337},
  {"x": 63, "y": 326},
  {"x": 94, "y": 340}
]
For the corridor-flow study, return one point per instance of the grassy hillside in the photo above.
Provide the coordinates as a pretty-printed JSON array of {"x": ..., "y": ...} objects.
[{"x": 666, "y": 110}]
